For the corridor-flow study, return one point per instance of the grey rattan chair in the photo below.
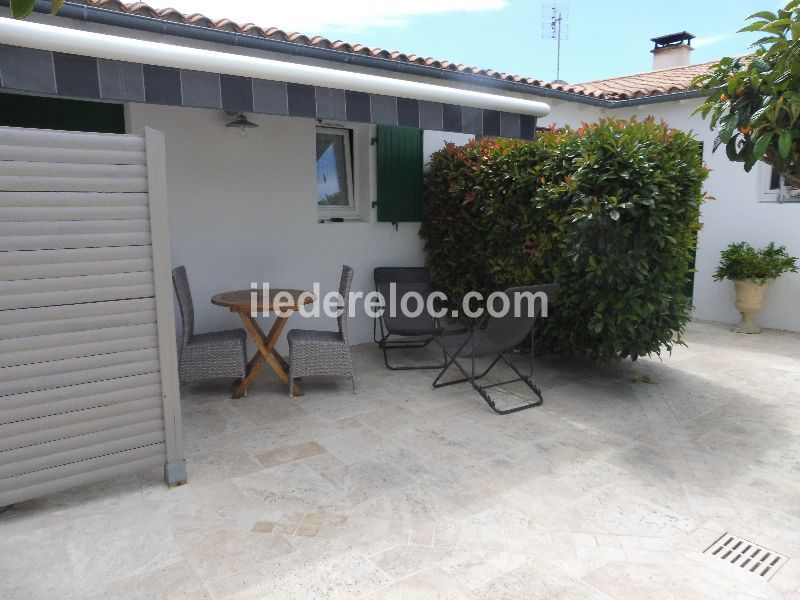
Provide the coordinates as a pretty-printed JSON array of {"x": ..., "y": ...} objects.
[
  {"x": 413, "y": 332},
  {"x": 323, "y": 352},
  {"x": 494, "y": 337},
  {"x": 214, "y": 355}
]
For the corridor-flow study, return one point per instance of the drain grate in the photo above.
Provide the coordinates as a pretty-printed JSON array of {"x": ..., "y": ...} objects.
[{"x": 746, "y": 555}]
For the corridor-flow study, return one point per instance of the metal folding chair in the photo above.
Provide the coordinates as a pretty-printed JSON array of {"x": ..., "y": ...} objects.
[
  {"x": 495, "y": 336},
  {"x": 415, "y": 332}
]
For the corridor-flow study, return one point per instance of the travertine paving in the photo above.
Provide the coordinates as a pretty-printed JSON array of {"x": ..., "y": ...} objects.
[{"x": 611, "y": 490}]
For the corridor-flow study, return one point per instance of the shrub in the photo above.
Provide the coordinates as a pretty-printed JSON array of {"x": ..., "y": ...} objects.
[
  {"x": 610, "y": 211},
  {"x": 742, "y": 261}
]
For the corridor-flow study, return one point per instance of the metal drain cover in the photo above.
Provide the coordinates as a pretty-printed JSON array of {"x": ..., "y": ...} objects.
[{"x": 746, "y": 555}]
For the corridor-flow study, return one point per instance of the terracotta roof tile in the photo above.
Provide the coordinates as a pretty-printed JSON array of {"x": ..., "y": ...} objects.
[
  {"x": 641, "y": 85},
  {"x": 655, "y": 83}
]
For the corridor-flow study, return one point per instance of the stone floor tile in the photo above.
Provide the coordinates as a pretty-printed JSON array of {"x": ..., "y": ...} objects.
[{"x": 611, "y": 490}]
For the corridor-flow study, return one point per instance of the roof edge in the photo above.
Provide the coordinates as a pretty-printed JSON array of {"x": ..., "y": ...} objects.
[{"x": 114, "y": 18}]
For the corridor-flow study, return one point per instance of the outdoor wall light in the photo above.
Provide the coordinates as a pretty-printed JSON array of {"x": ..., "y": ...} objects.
[{"x": 242, "y": 122}]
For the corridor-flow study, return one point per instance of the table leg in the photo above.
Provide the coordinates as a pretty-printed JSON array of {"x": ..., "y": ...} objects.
[
  {"x": 266, "y": 353},
  {"x": 253, "y": 367}
]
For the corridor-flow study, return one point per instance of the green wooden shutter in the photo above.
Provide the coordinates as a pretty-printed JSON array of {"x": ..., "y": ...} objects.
[{"x": 399, "y": 174}]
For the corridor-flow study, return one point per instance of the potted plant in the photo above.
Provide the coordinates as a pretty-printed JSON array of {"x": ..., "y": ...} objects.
[{"x": 751, "y": 270}]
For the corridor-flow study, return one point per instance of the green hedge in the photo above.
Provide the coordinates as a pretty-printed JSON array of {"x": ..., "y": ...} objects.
[{"x": 610, "y": 211}]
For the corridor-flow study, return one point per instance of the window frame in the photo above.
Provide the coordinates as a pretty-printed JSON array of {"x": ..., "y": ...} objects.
[
  {"x": 351, "y": 210},
  {"x": 778, "y": 193}
]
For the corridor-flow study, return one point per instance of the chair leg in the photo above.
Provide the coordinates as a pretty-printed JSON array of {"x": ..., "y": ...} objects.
[
  {"x": 384, "y": 345},
  {"x": 236, "y": 384},
  {"x": 482, "y": 390},
  {"x": 528, "y": 379},
  {"x": 353, "y": 378},
  {"x": 466, "y": 377}
]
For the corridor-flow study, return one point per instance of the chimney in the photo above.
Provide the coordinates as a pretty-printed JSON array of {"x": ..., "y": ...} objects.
[{"x": 672, "y": 50}]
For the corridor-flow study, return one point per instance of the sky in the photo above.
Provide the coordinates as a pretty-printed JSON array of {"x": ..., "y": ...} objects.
[{"x": 604, "y": 38}]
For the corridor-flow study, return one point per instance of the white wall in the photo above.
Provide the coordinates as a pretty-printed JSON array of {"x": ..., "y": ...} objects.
[
  {"x": 740, "y": 212},
  {"x": 243, "y": 209},
  {"x": 570, "y": 113},
  {"x": 436, "y": 140}
]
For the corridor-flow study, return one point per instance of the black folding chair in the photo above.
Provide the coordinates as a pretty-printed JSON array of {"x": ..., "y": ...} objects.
[
  {"x": 414, "y": 332},
  {"x": 495, "y": 336}
]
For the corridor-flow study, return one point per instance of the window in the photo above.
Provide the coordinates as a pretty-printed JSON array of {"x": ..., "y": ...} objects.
[
  {"x": 774, "y": 179},
  {"x": 335, "y": 171},
  {"x": 785, "y": 191}
]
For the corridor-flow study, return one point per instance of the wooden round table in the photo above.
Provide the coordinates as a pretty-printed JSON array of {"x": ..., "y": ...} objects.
[{"x": 250, "y": 303}]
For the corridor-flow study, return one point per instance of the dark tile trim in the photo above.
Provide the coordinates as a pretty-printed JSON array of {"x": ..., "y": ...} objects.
[
  {"x": 472, "y": 120},
  {"x": 77, "y": 76},
  {"x": 491, "y": 122},
  {"x": 408, "y": 112},
  {"x": 357, "y": 107},
  {"x": 302, "y": 100},
  {"x": 527, "y": 127},
  {"x": 237, "y": 93},
  {"x": 509, "y": 125},
  {"x": 430, "y": 115},
  {"x": 27, "y": 70},
  {"x": 162, "y": 85},
  {"x": 73, "y": 76},
  {"x": 451, "y": 118},
  {"x": 270, "y": 97}
]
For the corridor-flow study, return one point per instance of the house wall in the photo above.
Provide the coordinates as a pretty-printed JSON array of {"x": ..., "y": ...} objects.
[
  {"x": 243, "y": 209},
  {"x": 737, "y": 214},
  {"x": 571, "y": 113},
  {"x": 743, "y": 210}
]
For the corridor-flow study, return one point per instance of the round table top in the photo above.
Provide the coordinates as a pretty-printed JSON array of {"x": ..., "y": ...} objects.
[{"x": 240, "y": 300}]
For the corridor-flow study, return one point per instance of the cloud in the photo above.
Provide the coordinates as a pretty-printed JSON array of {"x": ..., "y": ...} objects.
[
  {"x": 710, "y": 40},
  {"x": 310, "y": 16}
]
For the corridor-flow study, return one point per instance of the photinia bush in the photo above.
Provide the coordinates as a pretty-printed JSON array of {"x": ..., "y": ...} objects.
[{"x": 610, "y": 211}]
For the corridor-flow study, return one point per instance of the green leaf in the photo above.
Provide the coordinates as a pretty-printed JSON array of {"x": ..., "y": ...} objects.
[
  {"x": 763, "y": 14},
  {"x": 728, "y": 128},
  {"x": 757, "y": 115},
  {"x": 785, "y": 144},
  {"x": 614, "y": 214},
  {"x": 757, "y": 26},
  {"x": 22, "y": 8},
  {"x": 761, "y": 144}
]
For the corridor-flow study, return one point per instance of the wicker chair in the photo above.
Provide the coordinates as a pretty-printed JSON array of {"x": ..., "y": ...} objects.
[
  {"x": 323, "y": 352},
  {"x": 215, "y": 355}
]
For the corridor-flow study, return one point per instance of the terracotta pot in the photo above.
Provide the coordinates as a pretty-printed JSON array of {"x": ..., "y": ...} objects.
[{"x": 749, "y": 300}]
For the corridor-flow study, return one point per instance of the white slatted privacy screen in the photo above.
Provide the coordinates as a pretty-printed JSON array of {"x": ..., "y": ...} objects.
[{"x": 88, "y": 373}]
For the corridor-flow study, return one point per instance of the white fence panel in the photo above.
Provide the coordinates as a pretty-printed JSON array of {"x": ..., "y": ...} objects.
[{"x": 88, "y": 373}]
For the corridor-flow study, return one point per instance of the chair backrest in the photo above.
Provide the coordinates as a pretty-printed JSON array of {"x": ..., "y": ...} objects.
[
  {"x": 344, "y": 290},
  {"x": 185, "y": 306},
  {"x": 406, "y": 280},
  {"x": 511, "y": 329}
]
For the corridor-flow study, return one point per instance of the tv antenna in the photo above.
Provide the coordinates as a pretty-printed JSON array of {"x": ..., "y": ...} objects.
[{"x": 554, "y": 27}]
